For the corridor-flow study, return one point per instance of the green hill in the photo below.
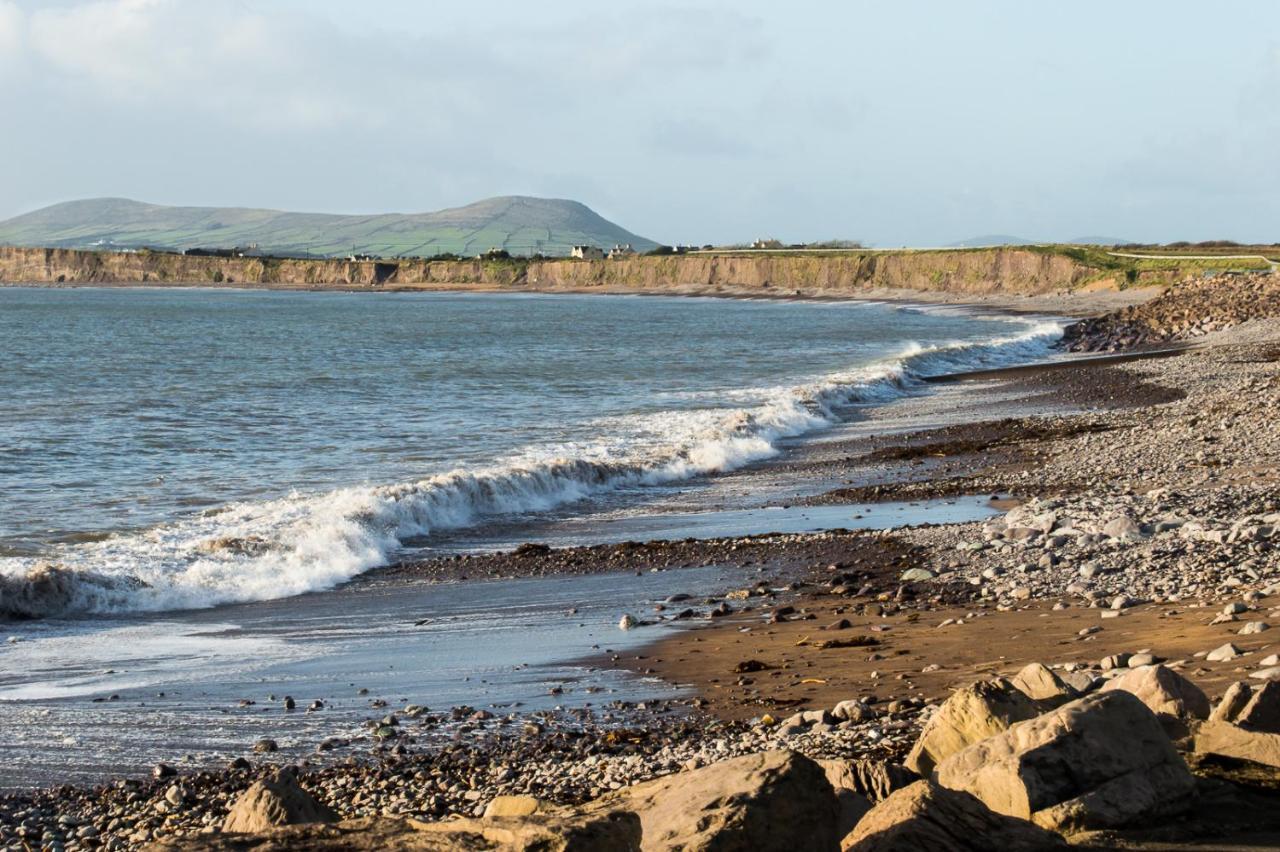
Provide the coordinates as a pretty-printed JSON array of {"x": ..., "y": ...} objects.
[{"x": 519, "y": 224}]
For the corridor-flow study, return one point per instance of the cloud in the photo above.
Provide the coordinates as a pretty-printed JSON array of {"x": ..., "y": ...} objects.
[
  {"x": 212, "y": 56},
  {"x": 12, "y": 27}
]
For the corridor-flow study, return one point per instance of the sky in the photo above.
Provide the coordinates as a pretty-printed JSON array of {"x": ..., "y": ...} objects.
[{"x": 904, "y": 123}]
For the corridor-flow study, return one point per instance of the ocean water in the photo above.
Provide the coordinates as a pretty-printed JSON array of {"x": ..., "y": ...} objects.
[{"x": 169, "y": 449}]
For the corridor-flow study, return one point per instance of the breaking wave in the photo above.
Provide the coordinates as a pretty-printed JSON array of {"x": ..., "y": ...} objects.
[{"x": 309, "y": 542}]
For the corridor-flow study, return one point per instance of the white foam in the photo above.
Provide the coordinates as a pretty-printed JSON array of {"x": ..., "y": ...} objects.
[{"x": 309, "y": 542}]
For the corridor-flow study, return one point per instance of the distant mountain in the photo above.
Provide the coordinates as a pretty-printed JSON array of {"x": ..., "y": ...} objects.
[
  {"x": 1100, "y": 241},
  {"x": 519, "y": 224},
  {"x": 993, "y": 240}
]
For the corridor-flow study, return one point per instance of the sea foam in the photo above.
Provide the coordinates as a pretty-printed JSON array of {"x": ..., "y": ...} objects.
[{"x": 308, "y": 542}]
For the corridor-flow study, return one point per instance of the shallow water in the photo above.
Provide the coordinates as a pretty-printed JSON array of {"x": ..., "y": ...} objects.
[
  {"x": 184, "y": 448},
  {"x": 208, "y": 469}
]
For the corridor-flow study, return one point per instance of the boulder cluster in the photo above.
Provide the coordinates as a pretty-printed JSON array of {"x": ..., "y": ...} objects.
[
  {"x": 1023, "y": 763},
  {"x": 1185, "y": 312}
]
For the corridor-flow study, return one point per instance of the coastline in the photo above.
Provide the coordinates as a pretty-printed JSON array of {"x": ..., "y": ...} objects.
[
  {"x": 1108, "y": 449},
  {"x": 1078, "y": 304}
]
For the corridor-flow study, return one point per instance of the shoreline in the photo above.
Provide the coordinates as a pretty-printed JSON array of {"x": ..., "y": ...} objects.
[
  {"x": 1136, "y": 445},
  {"x": 1075, "y": 304}
]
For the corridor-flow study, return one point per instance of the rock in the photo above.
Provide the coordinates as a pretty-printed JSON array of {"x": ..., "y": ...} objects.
[
  {"x": 916, "y": 575},
  {"x": 1269, "y": 673},
  {"x": 1137, "y": 661},
  {"x": 1223, "y": 653},
  {"x": 969, "y": 715},
  {"x": 1233, "y": 701},
  {"x": 1115, "y": 661},
  {"x": 1080, "y": 681},
  {"x": 1224, "y": 738},
  {"x": 748, "y": 666},
  {"x": 1174, "y": 699},
  {"x": 1234, "y": 608},
  {"x": 1252, "y": 627},
  {"x": 755, "y": 802},
  {"x": 1252, "y": 708},
  {"x": 275, "y": 801},
  {"x": 869, "y": 778},
  {"x": 264, "y": 746},
  {"x": 1038, "y": 681},
  {"x": 163, "y": 770},
  {"x": 853, "y": 804},
  {"x": 1123, "y": 528},
  {"x": 1102, "y": 761},
  {"x": 512, "y": 806},
  {"x": 627, "y": 622},
  {"x": 852, "y": 710},
  {"x": 564, "y": 831},
  {"x": 926, "y": 817}
]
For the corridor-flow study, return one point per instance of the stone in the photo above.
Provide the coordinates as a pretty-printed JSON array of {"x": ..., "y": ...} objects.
[
  {"x": 754, "y": 802},
  {"x": 969, "y": 714},
  {"x": 564, "y": 831},
  {"x": 265, "y": 745},
  {"x": 1174, "y": 699},
  {"x": 853, "y": 804},
  {"x": 1123, "y": 528},
  {"x": 930, "y": 818},
  {"x": 1228, "y": 740},
  {"x": 1223, "y": 653},
  {"x": 1115, "y": 661},
  {"x": 1232, "y": 702},
  {"x": 627, "y": 622},
  {"x": 1137, "y": 661},
  {"x": 1269, "y": 673},
  {"x": 1080, "y": 681},
  {"x": 1038, "y": 681},
  {"x": 1252, "y": 627},
  {"x": 275, "y": 801},
  {"x": 1252, "y": 708},
  {"x": 852, "y": 711},
  {"x": 1234, "y": 608},
  {"x": 512, "y": 806},
  {"x": 870, "y": 778},
  {"x": 916, "y": 575},
  {"x": 1099, "y": 762},
  {"x": 163, "y": 770}
]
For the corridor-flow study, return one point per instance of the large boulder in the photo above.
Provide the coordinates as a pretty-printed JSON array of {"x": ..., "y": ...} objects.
[
  {"x": 1038, "y": 681},
  {"x": 1252, "y": 708},
  {"x": 772, "y": 801},
  {"x": 926, "y": 817},
  {"x": 273, "y": 802},
  {"x": 1102, "y": 761},
  {"x": 969, "y": 715},
  {"x": 1175, "y": 700},
  {"x": 1230, "y": 740}
]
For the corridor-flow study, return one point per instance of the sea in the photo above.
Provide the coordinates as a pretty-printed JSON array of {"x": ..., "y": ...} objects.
[{"x": 197, "y": 487}]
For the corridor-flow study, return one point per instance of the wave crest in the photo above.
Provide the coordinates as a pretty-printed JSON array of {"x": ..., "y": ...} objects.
[{"x": 302, "y": 543}]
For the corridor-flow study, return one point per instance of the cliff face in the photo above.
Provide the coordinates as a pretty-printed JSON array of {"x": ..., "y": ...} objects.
[{"x": 969, "y": 272}]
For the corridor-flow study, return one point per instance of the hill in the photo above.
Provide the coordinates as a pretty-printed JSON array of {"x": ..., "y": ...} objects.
[{"x": 520, "y": 224}]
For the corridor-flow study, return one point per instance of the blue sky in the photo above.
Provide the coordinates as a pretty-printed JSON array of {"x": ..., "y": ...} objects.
[{"x": 905, "y": 123}]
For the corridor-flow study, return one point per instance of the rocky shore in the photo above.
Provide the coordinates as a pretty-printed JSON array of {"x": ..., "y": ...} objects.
[{"x": 1094, "y": 663}]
